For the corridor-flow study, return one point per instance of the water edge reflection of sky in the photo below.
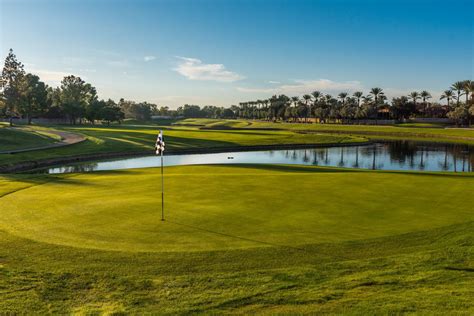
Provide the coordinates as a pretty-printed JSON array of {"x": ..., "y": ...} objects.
[{"x": 396, "y": 155}]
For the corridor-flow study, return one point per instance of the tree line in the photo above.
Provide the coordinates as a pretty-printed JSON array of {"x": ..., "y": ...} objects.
[
  {"x": 25, "y": 95},
  {"x": 374, "y": 105}
]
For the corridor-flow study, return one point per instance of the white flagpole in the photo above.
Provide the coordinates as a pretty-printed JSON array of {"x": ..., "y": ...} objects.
[{"x": 162, "y": 190}]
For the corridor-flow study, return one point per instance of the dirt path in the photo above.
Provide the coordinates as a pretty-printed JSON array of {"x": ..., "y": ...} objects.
[{"x": 67, "y": 138}]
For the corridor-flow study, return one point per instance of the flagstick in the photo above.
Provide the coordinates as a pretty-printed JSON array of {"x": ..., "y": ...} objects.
[{"x": 162, "y": 191}]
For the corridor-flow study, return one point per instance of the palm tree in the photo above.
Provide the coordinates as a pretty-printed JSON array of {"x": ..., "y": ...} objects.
[
  {"x": 295, "y": 101},
  {"x": 448, "y": 95},
  {"x": 306, "y": 99},
  {"x": 414, "y": 95},
  {"x": 425, "y": 95},
  {"x": 377, "y": 93},
  {"x": 316, "y": 95},
  {"x": 471, "y": 89},
  {"x": 367, "y": 99},
  {"x": 358, "y": 95},
  {"x": 342, "y": 96},
  {"x": 467, "y": 88},
  {"x": 458, "y": 86}
]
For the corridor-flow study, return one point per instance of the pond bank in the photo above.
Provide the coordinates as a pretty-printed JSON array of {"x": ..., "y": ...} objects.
[{"x": 31, "y": 165}]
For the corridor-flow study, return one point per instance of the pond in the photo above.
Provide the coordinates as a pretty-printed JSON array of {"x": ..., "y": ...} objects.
[{"x": 393, "y": 155}]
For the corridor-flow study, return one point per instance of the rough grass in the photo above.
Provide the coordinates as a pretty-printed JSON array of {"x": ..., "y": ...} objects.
[
  {"x": 238, "y": 239},
  {"x": 23, "y": 138}
]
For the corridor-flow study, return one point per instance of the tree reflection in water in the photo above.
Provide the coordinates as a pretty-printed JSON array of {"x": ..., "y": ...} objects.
[{"x": 389, "y": 155}]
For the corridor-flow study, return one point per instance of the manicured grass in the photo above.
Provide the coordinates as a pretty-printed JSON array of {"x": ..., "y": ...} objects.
[
  {"x": 141, "y": 138},
  {"x": 459, "y": 135},
  {"x": 22, "y": 138},
  {"x": 252, "y": 239},
  {"x": 210, "y": 133}
]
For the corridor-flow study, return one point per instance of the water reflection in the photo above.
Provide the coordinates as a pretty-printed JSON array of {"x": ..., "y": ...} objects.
[{"x": 394, "y": 155}]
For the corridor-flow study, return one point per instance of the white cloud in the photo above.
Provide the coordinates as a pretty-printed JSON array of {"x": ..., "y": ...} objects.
[
  {"x": 274, "y": 82},
  {"x": 149, "y": 58},
  {"x": 77, "y": 61},
  {"x": 394, "y": 92},
  {"x": 53, "y": 77},
  {"x": 50, "y": 76},
  {"x": 118, "y": 63},
  {"x": 307, "y": 86},
  {"x": 195, "y": 69}
]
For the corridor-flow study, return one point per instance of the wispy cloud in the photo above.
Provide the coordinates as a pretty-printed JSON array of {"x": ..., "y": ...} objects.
[
  {"x": 300, "y": 87},
  {"x": 118, "y": 63},
  {"x": 77, "y": 61},
  {"x": 307, "y": 86},
  {"x": 149, "y": 58},
  {"x": 195, "y": 69},
  {"x": 274, "y": 82},
  {"x": 52, "y": 77}
]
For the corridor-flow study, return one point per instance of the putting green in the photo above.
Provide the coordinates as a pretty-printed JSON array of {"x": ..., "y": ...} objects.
[{"x": 229, "y": 207}]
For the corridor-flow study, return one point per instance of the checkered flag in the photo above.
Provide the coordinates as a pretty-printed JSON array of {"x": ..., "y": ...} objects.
[{"x": 160, "y": 144}]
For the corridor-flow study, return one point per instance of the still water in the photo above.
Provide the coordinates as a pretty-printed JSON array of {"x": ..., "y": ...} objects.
[{"x": 394, "y": 155}]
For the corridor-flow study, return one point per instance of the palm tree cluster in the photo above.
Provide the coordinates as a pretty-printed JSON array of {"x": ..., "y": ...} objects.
[
  {"x": 461, "y": 112},
  {"x": 345, "y": 107},
  {"x": 315, "y": 106}
]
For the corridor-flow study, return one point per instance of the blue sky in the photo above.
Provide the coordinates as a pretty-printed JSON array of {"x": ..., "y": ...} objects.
[{"x": 221, "y": 52}]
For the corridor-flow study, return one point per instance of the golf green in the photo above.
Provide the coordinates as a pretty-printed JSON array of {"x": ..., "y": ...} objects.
[{"x": 229, "y": 207}]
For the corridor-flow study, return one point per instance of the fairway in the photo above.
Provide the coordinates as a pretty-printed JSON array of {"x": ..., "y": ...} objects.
[
  {"x": 229, "y": 207},
  {"x": 259, "y": 239}
]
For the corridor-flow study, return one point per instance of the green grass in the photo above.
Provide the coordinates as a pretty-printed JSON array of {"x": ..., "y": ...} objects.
[
  {"x": 247, "y": 239},
  {"x": 435, "y": 125},
  {"x": 23, "y": 138},
  {"x": 436, "y": 134},
  {"x": 210, "y": 133},
  {"x": 141, "y": 138}
]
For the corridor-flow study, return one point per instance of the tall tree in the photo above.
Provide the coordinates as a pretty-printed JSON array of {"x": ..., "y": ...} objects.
[
  {"x": 10, "y": 78},
  {"x": 467, "y": 89},
  {"x": 448, "y": 95},
  {"x": 425, "y": 95},
  {"x": 358, "y": 95},
  {"x": 111, "y": 112},
  {"x": 414, "y": 95},
  {"x": 76, "y": 96},
  {"x": 471, "y": 90},
  {"x": 458, "y": 86},
  {"x": 307, "y": 99},
  {"x": 343, "y": 96},
  {"x": 377, "y": 93},
  {"x": 316, "y": 100},
  {"x": 295, "y": 101},
  {"x": 33, "y": 99}
]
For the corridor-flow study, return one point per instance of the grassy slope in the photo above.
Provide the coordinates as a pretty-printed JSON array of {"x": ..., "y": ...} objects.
[
  {"x": 325, "y": 244},
  {"x": 461, "y": 135},
  {"x": 13, "y": 139},
  {"x": 127, "y": 138},
  {"x": 205, "y": 133}
]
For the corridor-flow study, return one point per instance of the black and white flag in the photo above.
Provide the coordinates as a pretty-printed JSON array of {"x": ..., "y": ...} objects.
[{"x": 160, "y": 144}]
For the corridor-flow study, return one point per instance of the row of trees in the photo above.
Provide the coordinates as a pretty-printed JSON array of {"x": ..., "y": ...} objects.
[
  {"x": 374, "y": 105},
  {"x": 25, "y": 95}
]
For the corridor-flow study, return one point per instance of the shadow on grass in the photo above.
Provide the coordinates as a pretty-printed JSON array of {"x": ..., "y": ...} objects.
[
  {"x": 290, "y": 168},
  {"x": 36, "y": 180},
  {"x": 233, "y": 236},
  {"x": 313, "y": 169}
]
